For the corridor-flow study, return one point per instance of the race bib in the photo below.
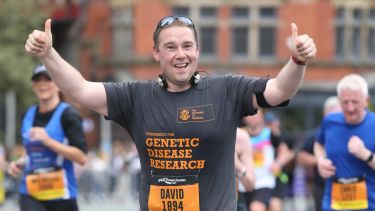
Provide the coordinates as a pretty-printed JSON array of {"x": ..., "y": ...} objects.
[
  {"x": 46, "y": 186},
  {"x": 349, "y": 194},
  {"x": 258, "y": 158},
  {"x": 174, "y": 193}
]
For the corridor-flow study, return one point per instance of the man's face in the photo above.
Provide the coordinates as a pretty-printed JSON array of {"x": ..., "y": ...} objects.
[
  {"x": 178, "y": 55},
  {"x": 353, "y": 105}
]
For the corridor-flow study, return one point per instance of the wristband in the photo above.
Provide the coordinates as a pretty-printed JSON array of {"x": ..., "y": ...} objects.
[
  {"x": 297, "y": 61},
  {"x": 370, "y": 158}
]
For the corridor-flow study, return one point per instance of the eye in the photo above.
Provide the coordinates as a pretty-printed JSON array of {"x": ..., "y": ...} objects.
[
  {"x": 188, "y": 46},
  {"x": 170, "y": 47}
]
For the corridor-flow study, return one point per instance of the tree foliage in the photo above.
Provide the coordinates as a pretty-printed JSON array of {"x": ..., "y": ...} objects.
[{"x": 17, "y": 20}]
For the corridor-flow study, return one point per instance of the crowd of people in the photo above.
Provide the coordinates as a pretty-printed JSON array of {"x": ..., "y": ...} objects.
[{"x": 224, "y": 148}]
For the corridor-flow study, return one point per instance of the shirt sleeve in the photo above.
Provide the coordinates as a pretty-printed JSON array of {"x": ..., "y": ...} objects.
[
  {"x": 119, "y": 101},
  {"x": 242, "y": 89},
  {"x": 72, "y": 124}
]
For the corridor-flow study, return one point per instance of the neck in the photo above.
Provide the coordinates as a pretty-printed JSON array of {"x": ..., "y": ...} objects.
[
  {"x": 178, "y": 88},
  {"x": 48, "y": 105}
]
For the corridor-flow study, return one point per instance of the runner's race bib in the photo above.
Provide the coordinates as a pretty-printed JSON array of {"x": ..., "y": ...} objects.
[
  {"x": 174, "y": 193},
  {"x": 46, "y": 185},
  {"x": 258, "y": 157},
  {"x": 349, "y": 194}
]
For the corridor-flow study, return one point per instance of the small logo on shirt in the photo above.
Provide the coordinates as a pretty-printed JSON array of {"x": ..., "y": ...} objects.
[
  {"x": 184, "y": 114},
  {"x": 202, "y": 113}
]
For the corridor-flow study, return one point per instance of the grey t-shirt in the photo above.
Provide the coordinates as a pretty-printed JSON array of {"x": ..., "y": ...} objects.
[{"x": 188, "y": 133}]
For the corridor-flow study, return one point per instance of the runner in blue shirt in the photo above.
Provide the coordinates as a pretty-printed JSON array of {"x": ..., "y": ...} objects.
[{"x": 344, "y": 150}]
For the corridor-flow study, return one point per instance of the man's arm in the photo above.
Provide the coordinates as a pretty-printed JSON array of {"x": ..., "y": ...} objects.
[
  {"x": 289, "y": 79},
  {"x": 305, "y": 155},
  {"x": 325, "y": 166},
  {"x": 306, "y": 159},
  {"x": 244, "y": 160},
  {"x": 89, "y": 94},
  {"x": 284, "y": 156}
]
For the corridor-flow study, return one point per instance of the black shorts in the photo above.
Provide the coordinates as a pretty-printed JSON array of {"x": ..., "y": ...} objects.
[
  {"x": 28, "y": 203},
  {"x": 280, "y": 189},
  {"x": 262, "y": 195}
]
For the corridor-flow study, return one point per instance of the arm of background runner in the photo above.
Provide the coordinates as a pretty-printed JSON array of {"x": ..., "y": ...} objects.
[
  {"x": 244, "y": 160},
  {"x": 89, "y": 94},
  {"x": 325, "y": 165},
  {"x": 289, "y": 79},
  {"x": 358, "y": 149},
  {"x": 69, "y": 152},
  {"x": 15, "y": 167},
  {"x": 284, "y": 156}
]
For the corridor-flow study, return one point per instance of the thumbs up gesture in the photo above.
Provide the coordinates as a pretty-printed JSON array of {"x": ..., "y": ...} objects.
[
  {"x": 39, "y": 43},
  {"x": 302, "y": 46}
]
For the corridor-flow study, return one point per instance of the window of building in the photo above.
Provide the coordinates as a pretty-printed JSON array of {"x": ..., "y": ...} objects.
[
  {"x": 355, "y": 34},
  {"x": 268, "y": 12},
  {"x": 254, "y": 33},
  {"x": 240, "y": 13},
  {"x": 267, "y": 41},
  {"x": 371, "y": 37},
  {"x": 208, "y": 41},
  {"x": 182, "y": 11},
  {"x": 208, "y": 12},
  {"x": 239, "y": 41},
  {"x": 208, "y": 31},
  {"x": 340, "y": 29},
  {"x": 122, "y": 35},
  {"x": 240, "y": 31},
  {"x": 267, "y": 32}
]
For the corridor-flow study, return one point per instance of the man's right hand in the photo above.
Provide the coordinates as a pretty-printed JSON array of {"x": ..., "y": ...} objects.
[
  {"x": 15, "y": 167},
  {"x": 39, "y": 43},
  {"x": 326, "y": 168}
]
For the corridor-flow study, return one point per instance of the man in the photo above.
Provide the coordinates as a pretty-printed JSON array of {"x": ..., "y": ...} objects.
[
  {"x": 184, "y": 126},
  {"x": 344, "y": 150},
  {"x": 306, "y": 158}
]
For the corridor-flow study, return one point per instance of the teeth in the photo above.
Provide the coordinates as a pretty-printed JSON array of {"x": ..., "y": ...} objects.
[{"x": 181, "y": 65}]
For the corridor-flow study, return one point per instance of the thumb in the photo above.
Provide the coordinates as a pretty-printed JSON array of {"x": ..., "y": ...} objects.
[
  {"x": 47, "y": 27},
  {"x": 294, "y": 35}
]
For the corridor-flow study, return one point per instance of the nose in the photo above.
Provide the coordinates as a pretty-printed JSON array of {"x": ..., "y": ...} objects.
[
  {"x": 350, "y": 107},
  {"x": 180, "y": 53}
]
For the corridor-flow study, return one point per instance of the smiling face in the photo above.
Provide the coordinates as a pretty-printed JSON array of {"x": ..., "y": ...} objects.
[
  {"x": 45, "y": 89},
  {"x": 177, "y": 53}
]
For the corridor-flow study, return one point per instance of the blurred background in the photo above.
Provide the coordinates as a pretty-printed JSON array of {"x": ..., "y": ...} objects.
[{"x": 111, "y": 40}]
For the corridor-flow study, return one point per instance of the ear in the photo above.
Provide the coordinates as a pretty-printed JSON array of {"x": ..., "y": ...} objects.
[
  {"x": 156, "y": 53},
  {"x": 367, "y": 101}
]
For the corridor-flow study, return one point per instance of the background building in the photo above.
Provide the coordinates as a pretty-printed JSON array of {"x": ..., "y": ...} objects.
[{"x": 112, "y": 40}]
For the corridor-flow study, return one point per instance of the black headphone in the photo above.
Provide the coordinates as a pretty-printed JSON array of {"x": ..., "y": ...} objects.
[{"x": 193, "y": 80}]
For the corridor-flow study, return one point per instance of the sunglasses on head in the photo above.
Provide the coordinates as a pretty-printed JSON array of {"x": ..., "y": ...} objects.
[{"x": 170, "y": 19}]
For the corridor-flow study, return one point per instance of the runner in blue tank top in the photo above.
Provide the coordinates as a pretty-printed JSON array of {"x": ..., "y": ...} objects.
[{"x": 53, "y": 139}]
